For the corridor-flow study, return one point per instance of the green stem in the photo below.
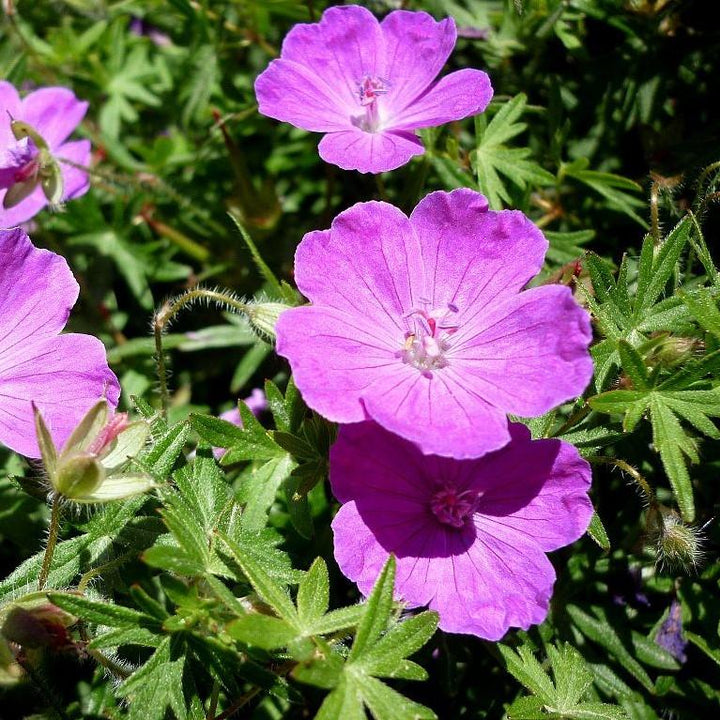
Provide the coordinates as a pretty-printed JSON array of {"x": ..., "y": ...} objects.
[
  {"x": 625, "y": 467},
  {"x": 51, "y": 542},
  {"x": 167, "y": 313}
]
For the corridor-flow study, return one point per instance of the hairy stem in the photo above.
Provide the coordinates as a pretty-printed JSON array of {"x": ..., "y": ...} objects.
[
  {"x": 167, "y": 313},
  {"x": 638, "y": 479},
  {"x": 51, "y": 542}
]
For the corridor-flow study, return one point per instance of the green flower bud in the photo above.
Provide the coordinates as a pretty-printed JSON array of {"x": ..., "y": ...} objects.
[
  {"x": 678, "y": 546},
  {"x": 264, "y": 316},
  {"x": 77, "y": 476}
]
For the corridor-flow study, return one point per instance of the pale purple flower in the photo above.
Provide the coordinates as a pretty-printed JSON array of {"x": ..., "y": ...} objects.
[
  {"x": 63, "y": 375},
  {"x": 469, "y": 536},
  {"x": 54, "y": 113},
  {"x": 419, "y": 323},
  {"x": 369, "y": 85},
  {"x": 140, "y": 27}
]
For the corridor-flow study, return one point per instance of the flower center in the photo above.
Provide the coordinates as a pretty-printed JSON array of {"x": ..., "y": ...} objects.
[
  {"x": 370, "y": 88},
  {"x": 451, "y": 507},
  {"x": 428, "y": 338}
]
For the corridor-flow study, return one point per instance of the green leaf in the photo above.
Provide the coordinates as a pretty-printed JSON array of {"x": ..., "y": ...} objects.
[
  {"x": 386, "y": 656},
  {"x": 633, "y": 364},
  {"x": 703, "y": 306},
  {"x": 313, "y": 597},
  {"x": 377, "y": 610},
  {"x": 102, "y": 613},
  {"x": 600, "y": 631},
  {"x": 596, "y": 530},
  {"x": 262, "y": 631},
  {"x": 264, "y": 585},
  {"x": 387, "y": 704}
]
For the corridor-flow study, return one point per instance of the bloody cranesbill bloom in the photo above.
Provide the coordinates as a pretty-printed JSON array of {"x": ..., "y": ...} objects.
[
  {"x": 369, "y": 85},
  {"x": 419, "y": 323},
  {"x": 33, "y": 134},
  {"x": 469, "y": 536},
  {"x": 63, "y": 375}
]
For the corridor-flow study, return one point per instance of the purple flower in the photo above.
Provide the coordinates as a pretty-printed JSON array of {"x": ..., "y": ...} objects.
[
  {"x": 369, "y": 85},
  {"x": 140, "y": 27},
  {"x": 670, "y": 635},
  {"x": 420, "y": 324},
  {"x": 64, "y": 375},
  {"x": 53, "y": 113},
  {"x": 470, "y": 536}
]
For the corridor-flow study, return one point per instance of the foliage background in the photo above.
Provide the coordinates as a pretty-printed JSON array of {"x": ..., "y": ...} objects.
[{"x": 603, "y": 112}]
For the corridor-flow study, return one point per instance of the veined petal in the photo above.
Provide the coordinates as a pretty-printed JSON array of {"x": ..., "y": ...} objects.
[
  {"x": 32, "y": 277},
  {"x": 369, "y": 152},
  {"x": 333, "y": 359},
  {"x": 293, "y": 93},
  {"x": 64, "y": 376},
  {"x": 346, "y": 45},
  {"x": 368, "y": 265},
  {"x": 417, "y": 46},
  {"x": 454, "y": 97},
  {"x": 77, "y": 182},
  {"x": 442, "y": 414},
  {"x": 474, "y": 256},
  {"x": 528, "y": 353}
]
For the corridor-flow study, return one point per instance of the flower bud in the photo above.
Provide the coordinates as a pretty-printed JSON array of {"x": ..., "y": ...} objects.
[
  {"x": 78, "y": 476},
  {"x": 264, "y": 316},
  {"x": 678, "y": 546}
]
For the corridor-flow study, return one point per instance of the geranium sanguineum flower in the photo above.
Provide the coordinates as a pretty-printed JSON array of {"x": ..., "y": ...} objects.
[
  {"x": 419, "y": 323},
  {"x": 53, "y": 113},
  {"x": 63, "y": 375},
  {"x": 369, "y": 85},
  {"x": 469, "y": 536}
]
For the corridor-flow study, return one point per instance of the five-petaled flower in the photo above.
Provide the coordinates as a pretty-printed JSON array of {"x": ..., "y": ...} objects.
[
  {"x": 419, "y": 323},
  {"x": 63, "y": 375},
  {"x": 469, "y": 536},
  {"x": 33, "y": 148},
  {"x": 369, "y": 85}
]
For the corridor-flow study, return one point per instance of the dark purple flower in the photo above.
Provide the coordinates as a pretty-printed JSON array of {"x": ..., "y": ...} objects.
[
  {"x": 53, "y": 113},
  {"x": 63, "y": 375},
  {"x": 470, "y": 536},
  {"x": 420, "y": 323},
  {"x": 369, "y": 85}
]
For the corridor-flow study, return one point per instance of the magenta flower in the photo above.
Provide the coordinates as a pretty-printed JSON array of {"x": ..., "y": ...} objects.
[
  {"x": 420, "y": 324},
  {"x": 64, "y": 375},
  {"x": 53, "y": 113},
  {"x": 369, "y": 85},
  {"x": 470, "y": 536}
]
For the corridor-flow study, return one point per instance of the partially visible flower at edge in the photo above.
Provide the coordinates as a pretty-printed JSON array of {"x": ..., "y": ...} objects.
[
  {"x": 63, "y": 374},
  {"x": 369, "y": 85},
  {"x": 469, "y": 536},
  {"x": 421, "y": 323},
  {"x": 53, "y": 113}
]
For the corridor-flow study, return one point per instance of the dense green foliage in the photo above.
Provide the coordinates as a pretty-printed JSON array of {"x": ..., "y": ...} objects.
[{"x": 216, "y": 595}]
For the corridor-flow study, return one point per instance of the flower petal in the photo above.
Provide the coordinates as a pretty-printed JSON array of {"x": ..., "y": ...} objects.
[
  {"x": 368, "y": 264},
  {"x": 10, "y": 107},
  {"x": 503, "y": 580},
  {"x": 77, "y": 182},
  {"x": 369, "y": 152},
  {"x": 342, "y": 48},
  {"x": 292, "y": 93},
  {"x": 527, "y": 354},
  {"x": 333, "y": 358},
  {"x": 417, "y": 47},
  {"x": 441, "y": 414},
  {"x": 54, "y": 112},
  {"x": 536, "y": 488},
  {"x": 64, "y": 376},
  {"x": 38, "y": 292},
  {"x": 474, "y": 256},
  {"x": 454, "y": 97}
]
